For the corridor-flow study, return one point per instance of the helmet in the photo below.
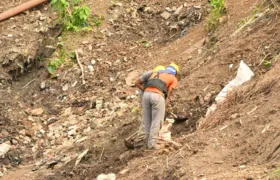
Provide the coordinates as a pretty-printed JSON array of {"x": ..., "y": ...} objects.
[
  {"x": 176, "y": 67},
  {"x": 158, "y": 68}
]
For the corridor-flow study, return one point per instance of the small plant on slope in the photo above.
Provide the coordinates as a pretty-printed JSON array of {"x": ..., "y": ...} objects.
[
  {"x": 71, "y": 15},
  {"x": 216, "y": 13},
  {"x": 275, "y": 173}
]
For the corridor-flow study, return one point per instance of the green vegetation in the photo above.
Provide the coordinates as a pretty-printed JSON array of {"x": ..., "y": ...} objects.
[
  {"x": 74, "y": 17},
  {"x": 97, "y": 20},
  {"x": 275, "y": 173},
  {"x": 56, "y": 63},
  {"x": 216, "y": 13},
  {"x": 250, "y": 18},
  {"x": 267, "y": 63}
]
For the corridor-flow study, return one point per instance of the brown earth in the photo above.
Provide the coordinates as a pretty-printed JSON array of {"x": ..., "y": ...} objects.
[{"x": 239, "y": 141}]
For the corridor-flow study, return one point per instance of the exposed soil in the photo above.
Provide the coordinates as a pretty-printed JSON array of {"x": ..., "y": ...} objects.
[{"x": 50, "y": 121}]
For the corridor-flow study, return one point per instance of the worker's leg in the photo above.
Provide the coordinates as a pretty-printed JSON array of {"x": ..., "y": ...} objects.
[
  {"x": 147, "y": 113},
  {"x": 141, "y": 130},
  {"x": 158, "y": 111}
]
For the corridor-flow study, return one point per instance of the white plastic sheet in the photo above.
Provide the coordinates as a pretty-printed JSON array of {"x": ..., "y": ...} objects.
[{"x": 244, "y": 73}]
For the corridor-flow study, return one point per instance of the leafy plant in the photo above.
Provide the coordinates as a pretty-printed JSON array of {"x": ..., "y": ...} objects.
[
  {"x": 56, "y": 63},
  {"x": 257, "y": 9},
  {"x": 216, "y": 13},
  {"x": 147, "y": 44},
  {"x": 71, "y": 15}
]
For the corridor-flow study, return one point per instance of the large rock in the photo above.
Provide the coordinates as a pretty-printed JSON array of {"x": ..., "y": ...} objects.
[{"x": 131, "y": 78}]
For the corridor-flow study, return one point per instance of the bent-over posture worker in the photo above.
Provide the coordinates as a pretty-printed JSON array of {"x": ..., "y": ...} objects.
[
  {"x": 141, "y": 83},
  {"x": 156, "y": 96}
]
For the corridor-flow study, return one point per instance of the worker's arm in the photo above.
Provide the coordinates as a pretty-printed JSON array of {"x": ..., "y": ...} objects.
[
  {"x": 170, "y": 90},
  {"x": 139, "y": 84}
]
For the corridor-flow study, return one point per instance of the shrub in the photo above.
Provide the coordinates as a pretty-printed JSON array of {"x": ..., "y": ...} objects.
[
  {"x": 216, "y": 13},
  {"x": 71, "y": 15}
]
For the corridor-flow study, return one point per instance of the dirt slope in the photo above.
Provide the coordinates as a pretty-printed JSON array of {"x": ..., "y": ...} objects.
[{"x": 239, "y": 141}]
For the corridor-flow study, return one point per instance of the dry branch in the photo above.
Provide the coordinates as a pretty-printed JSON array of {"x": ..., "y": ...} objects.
[{"x": 81, "y": 67}]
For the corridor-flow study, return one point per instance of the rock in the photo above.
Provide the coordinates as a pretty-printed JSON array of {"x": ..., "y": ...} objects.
[
  {"x": 14, "y": 142},
  {"x": 4, "y": 148},
  {"x": 165, "y": 15},
  {"x": 131, "y": 77},
  {"x": 168, "y": 9},
  {"x": 10, "y": 35},
  {"x": 148, "y": 10},
  {"x": 90, "y": 68},
  {"x": 93, "y": 62},
  {"x": 43, "y": 85},
  {"x": 122, "y": 172},
  {"x": 235, "y": 115},
  {"x": 47, "y": 51},
  {"x": 42, "y": 18},
  {"x": 37, "y": 112},
  {"x": 197, "y": 7},
  {"x": 174, "y": 8},
  {"x": 90, "y": 47},
  {"x": 178, "y": 10},
  {"x": 119, "y": 4},
  {"x": 72, "y": 130},
  {"x": 30, "y": 118},
  {"x": 65, "y": 87},
  {"x": 22, "y": 132},
  {"x": 99, "y": 103}
]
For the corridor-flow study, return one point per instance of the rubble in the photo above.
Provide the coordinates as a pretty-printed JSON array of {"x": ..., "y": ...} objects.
[
  {"x": 37, "y": 112},
  {"x": 178, "y": 10},
  {"x": 165, "y": 15}
]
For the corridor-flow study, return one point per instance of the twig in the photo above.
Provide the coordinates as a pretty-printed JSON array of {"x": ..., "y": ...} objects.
[
  {"x": 29, "y": 83},
  {"x": 81, "y": 67},
  {"x": 167, "y": 166},
  {"x": 100, "y": 159}
]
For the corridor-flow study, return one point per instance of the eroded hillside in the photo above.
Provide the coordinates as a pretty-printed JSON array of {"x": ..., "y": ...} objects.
[{"x": 48, "y": 121}]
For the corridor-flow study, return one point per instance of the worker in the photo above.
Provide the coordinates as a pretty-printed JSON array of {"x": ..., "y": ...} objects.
[
  {"x": 141, "y": 83},
  {"x": 156, "y": 96}
]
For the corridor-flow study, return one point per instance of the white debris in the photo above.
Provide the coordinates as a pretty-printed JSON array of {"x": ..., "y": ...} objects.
[
  {"x": 4, "y": 148},
  {"x": 110, "y": 176},
  {"x": 244, "y": 73}
]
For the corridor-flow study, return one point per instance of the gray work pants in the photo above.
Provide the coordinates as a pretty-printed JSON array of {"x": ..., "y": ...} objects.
[
  {"x": 153, "y": 116},
  {"x": 141, "y": 131}
]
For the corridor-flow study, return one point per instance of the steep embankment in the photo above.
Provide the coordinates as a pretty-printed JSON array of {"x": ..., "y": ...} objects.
[{"x": 239, "y": 141}]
